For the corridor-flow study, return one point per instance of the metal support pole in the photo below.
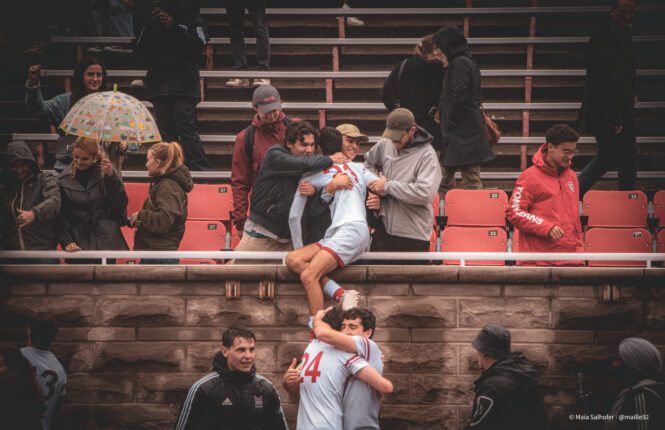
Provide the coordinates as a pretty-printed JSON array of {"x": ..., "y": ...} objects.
[
  {"x": 528, "y": 82},
  {"x": 329, "y": 90},
  {"x": 210, "y": 55},
  {"x": 203, "y": 83},
  {"x": 466, "y": 19},
  {"x": 68, "y": 85},
  {"x": 322, "y": 118}
]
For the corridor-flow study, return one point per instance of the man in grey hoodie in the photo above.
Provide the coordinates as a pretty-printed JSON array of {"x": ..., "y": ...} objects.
[{"x": 412, "y": 174}]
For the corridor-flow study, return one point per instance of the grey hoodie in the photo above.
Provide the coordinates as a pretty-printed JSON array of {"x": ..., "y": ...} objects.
[{"x": 413, "y": 177}]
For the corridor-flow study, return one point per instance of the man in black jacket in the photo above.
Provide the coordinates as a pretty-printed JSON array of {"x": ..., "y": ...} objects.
[
  {"x": 233, "y": 396},
  {"x": 609, "y": 98},
  {"x": 267, "y": 228},
  {"x": 506, "y": 392}
]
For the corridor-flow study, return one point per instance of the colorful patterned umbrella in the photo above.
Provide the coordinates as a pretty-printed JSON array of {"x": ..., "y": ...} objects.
[{"x": 111, "y": 116}]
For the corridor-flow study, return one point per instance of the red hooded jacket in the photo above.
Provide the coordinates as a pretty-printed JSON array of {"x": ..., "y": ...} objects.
[
  {"x": 243, "y": 175},
  {"x": 543, "y": 198}
]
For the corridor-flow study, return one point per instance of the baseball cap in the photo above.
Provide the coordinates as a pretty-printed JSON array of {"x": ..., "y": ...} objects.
[
  {"x": 397, "y": 123},
  {"x": 352, "y": 131},
  {"x": 493, "y": 340},
  {"x": 266, "y": 98}
]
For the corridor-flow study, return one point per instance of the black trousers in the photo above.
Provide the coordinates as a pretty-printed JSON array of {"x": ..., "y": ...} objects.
[
  {"x": 176, "y": 119},
  {"x": 235, "y": 10},
  {"x": 384, "y": 242},
  {"x": 614, "y": 150}
]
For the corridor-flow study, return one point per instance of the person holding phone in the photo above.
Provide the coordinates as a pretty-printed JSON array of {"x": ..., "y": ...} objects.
[{"x": 94, "y": 202}]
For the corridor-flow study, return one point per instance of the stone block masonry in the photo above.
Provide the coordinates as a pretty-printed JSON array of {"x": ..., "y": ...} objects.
[{"x": 134, "y": 340}]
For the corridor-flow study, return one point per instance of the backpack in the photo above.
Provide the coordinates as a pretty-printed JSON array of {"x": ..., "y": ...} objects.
[{"x": 249, "y": 140}]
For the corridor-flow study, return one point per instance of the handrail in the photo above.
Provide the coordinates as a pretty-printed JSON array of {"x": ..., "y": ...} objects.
[
  {"x": 370, "y": 256},
  {"x": 230, "y": 138},
  {"x": 371, "y": 41},
  {"x": 295, "y": 74},
  {"x": 540, "y": 10}
]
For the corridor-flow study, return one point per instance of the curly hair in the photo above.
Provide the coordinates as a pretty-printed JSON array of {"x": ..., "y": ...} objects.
[
  {"x": 367, "y": 318},
  {"x": 297, "y": 131},
  {"x": 560, "y": 133}
]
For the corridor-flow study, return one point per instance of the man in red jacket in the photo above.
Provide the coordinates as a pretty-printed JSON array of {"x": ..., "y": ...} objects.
[
  {"x": 544, "y": 206},
  {"x": 268, "y": 128}
]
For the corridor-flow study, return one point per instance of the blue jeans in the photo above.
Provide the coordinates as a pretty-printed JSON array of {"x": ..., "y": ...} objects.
[
  {"x": 159, "y": 261},
  {"x": 112, "y": 18}
]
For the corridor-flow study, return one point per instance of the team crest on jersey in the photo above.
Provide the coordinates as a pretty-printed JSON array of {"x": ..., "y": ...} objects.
[
  {"x": 571, "y": 186},
  {"x": 258, "y": 401},
  {"x": 483, "y": 406},
  {"x": 227, "y": 402}
]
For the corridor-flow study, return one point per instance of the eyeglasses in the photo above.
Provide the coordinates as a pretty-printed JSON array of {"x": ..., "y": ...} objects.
[{"x": 570, "y": 154}]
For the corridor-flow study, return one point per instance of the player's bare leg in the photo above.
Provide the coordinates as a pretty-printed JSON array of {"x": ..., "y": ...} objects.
[
  {"x": 298, "y": 259},
  {"x": 322, "y": 263}
]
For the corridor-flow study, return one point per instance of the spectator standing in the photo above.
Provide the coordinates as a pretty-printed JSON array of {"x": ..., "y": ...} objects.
[
  {"x": 161, "y": 222},
  {"x": 507, "y": 390},
  {"x": 409, "y": 163},
  {"x": 267, "y": 228},
  {"x": 464, "y": 144},
  {"x": 50, "y": 374},
  {"x": 609, "y": 99},
  {"x": 544, "y": 206},
  {"x": 233, "y": 396},
  {"x": 94, "y": 202},
  {"x": 172, "y": 44},
  {"x": 21, "y": 400},
  {"x": 267, "y": 128},
  {"x": 638, "y": 364},
  {"x": 29, "y": 203},
  {"x": 112, "y": 18},
  {"x": 415, "y": 84},
  {"x": 235, "y": 10}
]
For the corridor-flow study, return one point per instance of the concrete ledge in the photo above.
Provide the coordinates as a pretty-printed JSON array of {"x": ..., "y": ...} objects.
[
  {"x": 30, "y": 273},
  {"x": 596, "y": 275},
  {"x": 230, "y": 272},
  {"x": 131, "y": 273},
  {"x": 442, "y": 274},
  {"x": 508, "y": 274}
]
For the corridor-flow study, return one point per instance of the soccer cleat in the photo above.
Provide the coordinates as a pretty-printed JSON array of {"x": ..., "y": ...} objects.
[
  {"x": 350, "y": 299},
  {"x": 236, "y": 82},
  {"x": 261, "y": 81},
  {"x": 137, "y": 83},
  {"x": 95, "y": 50}
]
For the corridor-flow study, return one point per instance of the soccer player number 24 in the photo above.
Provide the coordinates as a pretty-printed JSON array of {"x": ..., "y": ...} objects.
[{"x": 313, "y": 368}]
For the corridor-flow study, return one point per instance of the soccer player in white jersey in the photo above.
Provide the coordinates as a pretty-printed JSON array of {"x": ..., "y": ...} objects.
[
  {"x": 50, "y": 374},
  {"x": 346, "y": 238},
  {"x": 320, "y": 379}
]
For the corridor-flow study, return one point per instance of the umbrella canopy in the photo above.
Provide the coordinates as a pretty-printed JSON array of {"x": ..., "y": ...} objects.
[{"x": 111, "y": 116}]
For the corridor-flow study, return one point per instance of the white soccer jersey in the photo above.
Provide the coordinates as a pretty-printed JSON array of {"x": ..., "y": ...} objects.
[
  {"x": 347, "y": 205},
  {"x": 362, "y": 403},
  {"x": 324, "y": 370},
  {"x": 51, "y": 377}
]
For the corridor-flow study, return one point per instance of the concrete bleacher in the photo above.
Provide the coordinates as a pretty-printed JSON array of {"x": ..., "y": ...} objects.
[{"x": 532, "y": 59}]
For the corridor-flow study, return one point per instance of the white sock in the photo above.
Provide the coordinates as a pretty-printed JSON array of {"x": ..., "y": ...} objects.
[
  {"x": 311, "y": 319},
  {"x": 332, "y": 289}
]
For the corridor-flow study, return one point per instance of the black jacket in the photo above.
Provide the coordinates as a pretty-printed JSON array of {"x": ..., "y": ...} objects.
[
  {"x": 92, "y": 216},
  {"x": 173, "y": 54},
  {"x": 610, "y": 77},
  {"x": 419, "y": 90},
  {"x": 276, "y": 185},
  {"x": 231, "y": 400},
  {"x": 463, "y": 136},
  {"x": 645, "y": 399},
  {"x": 164, "y": 211},
  {"x": 507, "y": 397},
  {"x": 38, "y": 192}
]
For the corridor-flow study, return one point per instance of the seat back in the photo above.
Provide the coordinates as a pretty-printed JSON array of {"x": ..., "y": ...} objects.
[
  {"x": 210, "y": 202},
  {"x": 476, "y": 208},
  {"x": 617, "y": 240},
  {"x": 137, "y": 192},
  {"x": 203, "y": 236},
  {"x": 659, "y": 207},
  {"x": 615, "y": 208},
  {"x": 474, "y": 239}
]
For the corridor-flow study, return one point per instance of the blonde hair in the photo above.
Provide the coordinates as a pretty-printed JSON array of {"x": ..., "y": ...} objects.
[
  {"x": 169, "y": 153},
  {"x": 91, "y": 147}
]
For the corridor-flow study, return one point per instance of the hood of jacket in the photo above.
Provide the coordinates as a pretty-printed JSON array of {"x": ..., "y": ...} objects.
[
  {"x": 514, "y": 367},
  {"x": 420, "y": 138},
  {"x": 221, "y": 366},
  {"x": 180, "y": 175},
  {"x": 424, "y": 67},
  {"x": 186, "y": 12},
  {"x": 451, "y": 42},
  {"x": 269, "y": 128},
  {"x": 538, "y": 160},
  {"x": 18, "y": 150}
]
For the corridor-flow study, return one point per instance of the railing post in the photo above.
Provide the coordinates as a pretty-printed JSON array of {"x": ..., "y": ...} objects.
[
  {"x": 210, "y": 55},
  {"x": 466, "y": 19},
  {"x": 528, "y": 82},
  {"x": 322, "y": 118}
]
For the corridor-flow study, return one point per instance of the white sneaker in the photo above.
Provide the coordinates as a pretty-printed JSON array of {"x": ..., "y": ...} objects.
[
  {"x": 137, "y": 83},
  {"x": 117, "y": 49},
  {"x": 350, "y": 299},
  {"x": 236, "y": 82},
  {"x": 261, "y": 81},
  {"x": 94, "y": 50},
  {"x": 352, "y": 21}
]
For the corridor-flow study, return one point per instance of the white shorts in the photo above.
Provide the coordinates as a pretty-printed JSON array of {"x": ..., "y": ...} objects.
[{"x": 346, "y": 243}]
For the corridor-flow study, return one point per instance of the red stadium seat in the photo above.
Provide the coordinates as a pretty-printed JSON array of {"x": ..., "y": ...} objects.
[
  {"x": 659, "y": 207},
  {"x": 235, "y": 237},
  {"x": 137, "y": 192},
  {"x": 432, "y": 241},
  {"x": 197, "y": 261},
  {"x": 615, "y": 208},
  {"x": 476, "y": 208},
  {"x": 435, "y": 206},
  {"x": 617, "y": 240},
  {"x": 203, "y": 236},
  {"x": 210, "y": 202},
  {"x": 474, "y": 239},
  {"x": 661, "y": 241},
  {"x": 516, "y": 240}
]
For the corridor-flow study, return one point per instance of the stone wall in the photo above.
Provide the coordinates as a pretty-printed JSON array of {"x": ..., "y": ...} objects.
[{"x": 135, "y": 338}]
